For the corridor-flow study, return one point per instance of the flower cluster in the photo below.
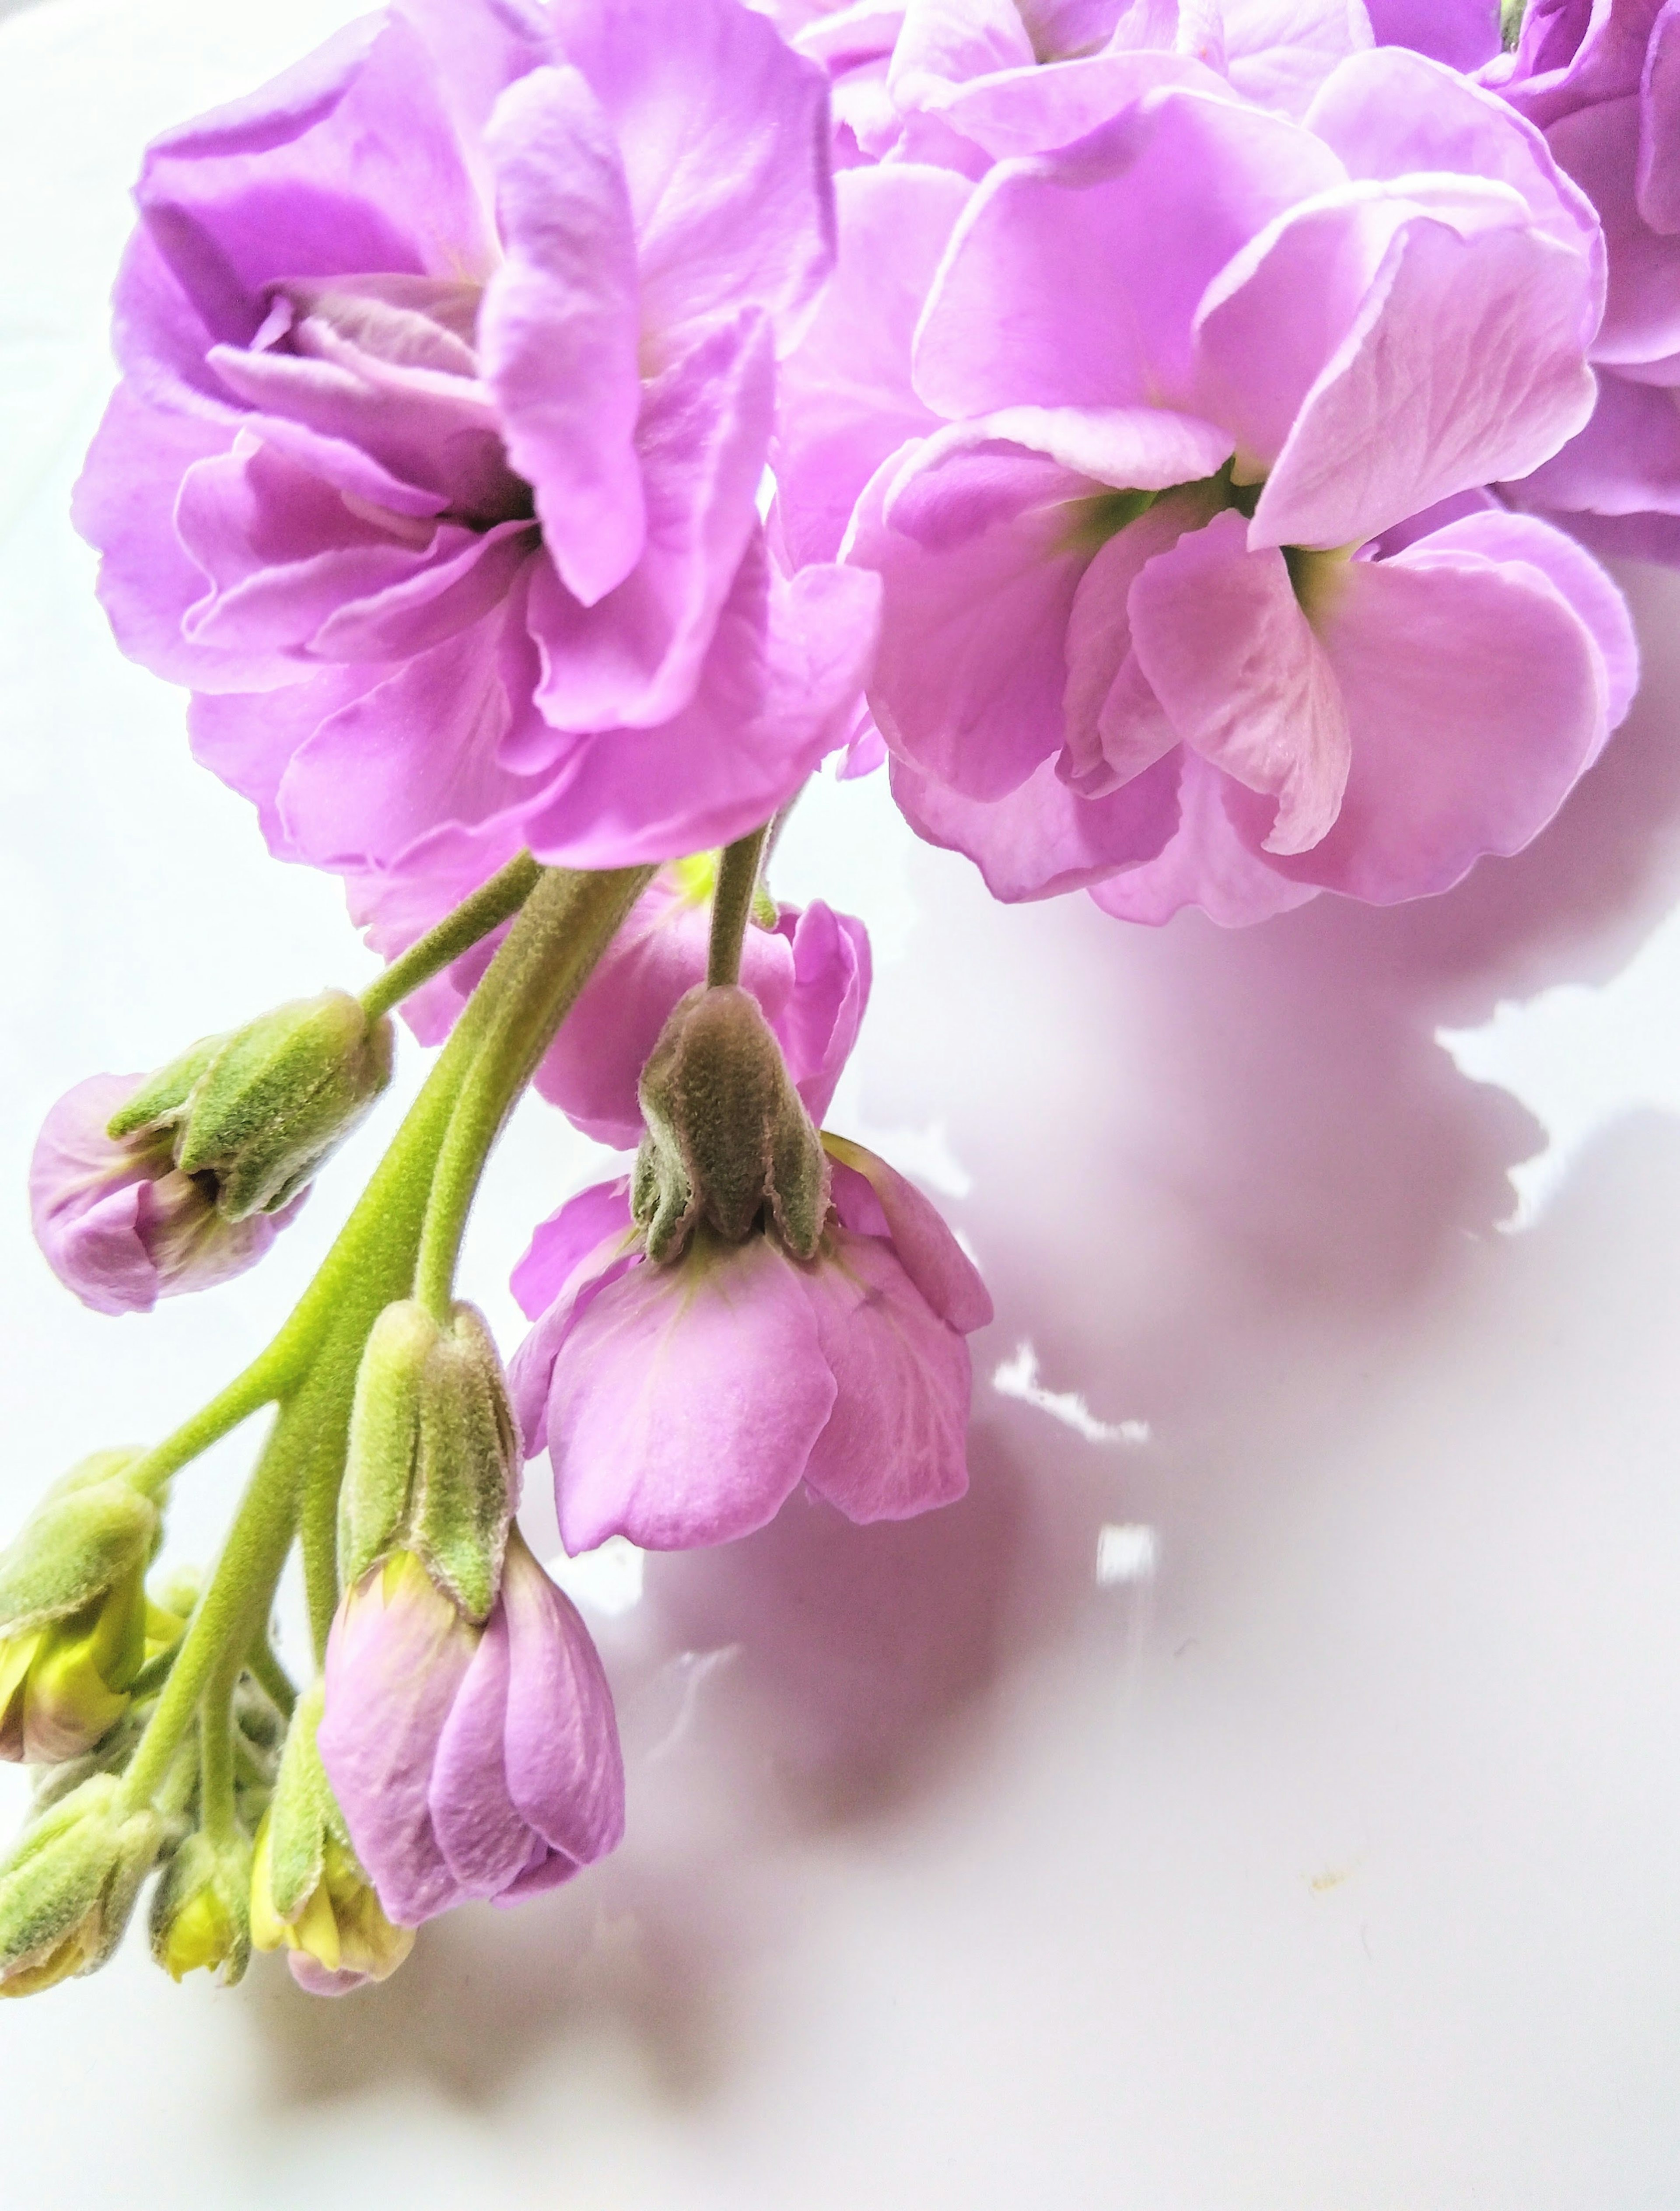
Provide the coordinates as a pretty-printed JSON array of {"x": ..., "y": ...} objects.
[{"x": 1175, "y": 436}]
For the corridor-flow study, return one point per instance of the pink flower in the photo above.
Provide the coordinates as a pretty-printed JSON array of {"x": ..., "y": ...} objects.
[
  {"x": 468, "y": 1761},
  {"x": 811, "y": 973},
  {"x": 449, "y": 368},
  {"x": 1602, "y": 81},
  {"x": 119, "y": 1223},
  {"x": 1140, "y": 417},
  {"x": 683, "y": 1404}
]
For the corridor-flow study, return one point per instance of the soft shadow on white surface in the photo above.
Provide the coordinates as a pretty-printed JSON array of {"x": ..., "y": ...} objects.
[{"x": 1261, "y": 1793}]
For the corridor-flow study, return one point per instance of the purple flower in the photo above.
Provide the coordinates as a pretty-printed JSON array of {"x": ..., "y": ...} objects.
[
  {"x": 1602, "y": 81},
  {"x": 449, "y": 366},
  {"x": 811, "y": 973},
  {"x": 120, "y": 1223},
  {"x": 683, "y": 1404},
  {"x": 1150, "y": 424},
  {"x": 469, "y": 1761}
]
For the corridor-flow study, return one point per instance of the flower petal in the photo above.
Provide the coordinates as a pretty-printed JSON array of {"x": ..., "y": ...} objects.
[
  {"x": 930, "y": 1255},
  {"x": 686, "y": 1399},
  {"x": 564, "y": 1769}
]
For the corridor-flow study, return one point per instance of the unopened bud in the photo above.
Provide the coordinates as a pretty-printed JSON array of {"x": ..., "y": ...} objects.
[
  {"x": 433, "y": 1460},
  {"x": 68, "y": 1884},
  {"x": 259, "y": 1110},
  {"x": 74, "y": 1617},
  {"x": 308, "y": 1892},
  {"x": 729, "y": 1141},
  {"x": 201, "y": 1914}
]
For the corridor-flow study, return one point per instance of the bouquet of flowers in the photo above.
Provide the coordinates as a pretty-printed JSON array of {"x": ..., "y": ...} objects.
[{"x": 1174, "y": 440}]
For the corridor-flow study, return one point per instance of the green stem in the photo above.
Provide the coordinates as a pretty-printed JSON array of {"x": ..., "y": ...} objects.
[
  {"x": 732, "y": 905},
  {"x": 270, "y": 1676},
  {"x": 218, "y": 1814},
  {"x": 474, "y": 917},
  {"x": 566, "y": 925}
]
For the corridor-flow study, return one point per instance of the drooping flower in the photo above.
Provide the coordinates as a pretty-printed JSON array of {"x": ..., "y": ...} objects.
[
  {"x": 1158, "y": 454},
  {"x": 1602, "y": 81},
  {"x": 448, "y": 379},
  {"x": 117, "y": 1222},
  {"x": 809, "y": 969},
  {"x": 681, "y": 1405},
  {"x": 468, "y": 1760}
]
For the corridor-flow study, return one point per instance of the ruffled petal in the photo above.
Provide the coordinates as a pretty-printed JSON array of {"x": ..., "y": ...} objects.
[{"x": 930, "y": 1255}]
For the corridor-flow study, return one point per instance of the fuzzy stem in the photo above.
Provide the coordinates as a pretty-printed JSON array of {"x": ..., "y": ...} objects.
[
  {"x": 270, "y": 1676},
  {"x": 218, "y": 1814},
  {"x": 566, "y": 925},
  {"x": 474, "y": 917},
  {"x": 732, "y": 905}
]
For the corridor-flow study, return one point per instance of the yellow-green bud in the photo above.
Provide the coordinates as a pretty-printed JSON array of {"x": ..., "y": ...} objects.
[
  {"x": 308, "y": 1892},
  {"x": 73, "y": 1618},
  {"x": 201, "y": 1914},
  {"x": 68, "y": 1884},
  {"x": 434, "y": 1461},
  {"x": 259, "y": 1110},
  {"x": 729, "y": 1141}
]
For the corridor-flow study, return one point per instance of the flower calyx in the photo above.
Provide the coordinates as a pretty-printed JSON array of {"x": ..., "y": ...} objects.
[
  {"x": 308, "y": 1892},
  {"x": 75, "y": 1626},
  {"x": 729, "y": 1142},
  {"x": 259, "y": 1110},
  {"x": 435, "y": 1461},
  {"x": 68, "y": 1885}
]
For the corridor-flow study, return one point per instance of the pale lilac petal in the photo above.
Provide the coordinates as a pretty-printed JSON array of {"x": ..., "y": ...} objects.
[
  {"x": 724, "y": 132},
  {"x": 560, "y": 1244},
  {"x": 1206, "y": 863},
  {"x": 1464, "y": 364},
  {"x": 1233, "y": 660},
  {"x": 250, "y": 741},
  {"x": 481, "y": 1834},
  {"x": 930, "y": 1255},
  {"x": 969, "y": 674},
  {"x": 1498, "y": 535},
  {"x": 531, "y": 1372},
  {"x": 1657, "y": 188},
  {"x": 1038, "y": 110},
  {"x": 394, "y": 1669},
  {"x": 564, "y": 1769},
  {"x": 1128, "y": 448},
  {"x": 592, "y": 1068},
  {"x": 844, "y": 401},
  {"x": 1279, "y": 52},
  {"x": 1102, "y": 253},
  {"x": 347, "y": 161},
  {"x": 780, "y": 690},
  {"x": 1598, "y": 147},
  {"x": 686, "y": 1399},
  {"x": 461, "y": 583},
  {"x": 558, "y": 329},
  {"x": 944, "y": 42},
  {"x": 418, "y": 747},
  {"x": 894, "y": 1444},
  {"x": 1626, "y": 460},
  {"x": 817, "y": 1025},
  {"x": 480, "y": 47},
  {"x": 634, "y": 657},
  {"x": 1043, "y": 838},
  {"x": 1475, "y": 694},
  {"x": 1463, "y": 34}
]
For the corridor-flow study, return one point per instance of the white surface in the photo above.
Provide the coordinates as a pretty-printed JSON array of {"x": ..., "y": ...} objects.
[{"x": 1260, "y": 1795}]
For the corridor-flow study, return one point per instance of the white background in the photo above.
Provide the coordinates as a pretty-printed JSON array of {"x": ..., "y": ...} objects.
[{"x": 1307, "y": 1842}]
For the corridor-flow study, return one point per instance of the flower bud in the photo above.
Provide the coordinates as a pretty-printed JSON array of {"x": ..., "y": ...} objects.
[
  {"x": 73, "y": 1618},
  {"x": 201, "y": 1914},
  {"x": 117, "y": 1222},
  {"x": 69, "y": 1883},
  {"x": 308, "y": 1893},
  {"x": 728, "y": 1137},
  {"x": 259, "y": 1110},
  {"x": 433, "y": 1460}
]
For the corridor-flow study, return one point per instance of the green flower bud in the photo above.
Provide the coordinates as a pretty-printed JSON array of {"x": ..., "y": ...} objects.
[
  {"x": 201, "y": 1914},
  {"x": 259, "y": 1110},
  {"x": 75, "y": 1628},
  {"x": 729, "y": 1140},
  {"x": 68, "y": 1884},
  {"x": 434, "y": 1461},
  {"x": 308, "y": 1892}
]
